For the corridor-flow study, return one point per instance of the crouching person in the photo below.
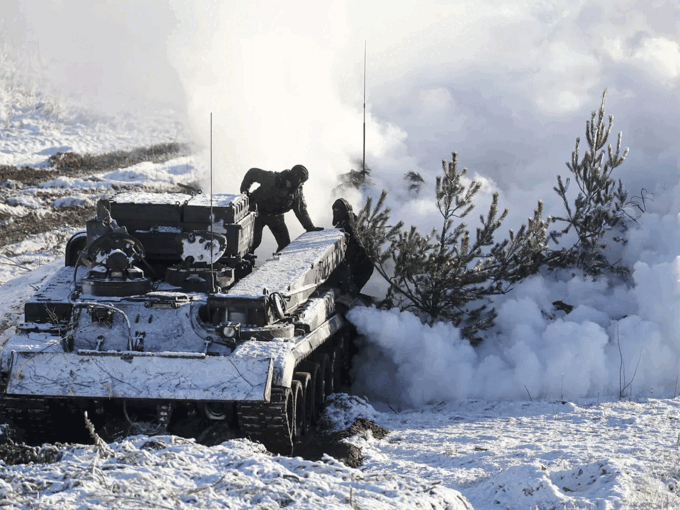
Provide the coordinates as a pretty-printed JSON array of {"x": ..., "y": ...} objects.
[
  {"x": 358, "y": 267},
  {"x": 278, "y": 193}
]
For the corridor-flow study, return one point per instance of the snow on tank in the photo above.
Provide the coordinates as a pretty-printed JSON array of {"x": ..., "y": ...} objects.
[{"x": 297, "y": 270}]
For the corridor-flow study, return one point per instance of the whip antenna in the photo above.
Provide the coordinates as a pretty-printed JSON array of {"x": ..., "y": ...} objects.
[
  {"x": 363, "y": 160},
  {"x": 212, "y": 237}
]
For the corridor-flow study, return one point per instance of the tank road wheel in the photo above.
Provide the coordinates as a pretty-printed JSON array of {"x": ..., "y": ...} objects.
[
  {"x": 299, "y": 422},
  {"x": 305, "y": 379},
  {"x": 338, "y": 362},
  {"x": 314, "y": 391},
  {"x": 326, "y": 375},
  {"x": 270, "y": 423},
  {"x": 317, "y": 388}
]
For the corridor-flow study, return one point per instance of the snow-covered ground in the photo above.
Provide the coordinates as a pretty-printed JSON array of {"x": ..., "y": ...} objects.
[
  {"x": 169, "y": 472},
  {"x": 461, "y": 455},
  {"x": 548, "y": 454}
]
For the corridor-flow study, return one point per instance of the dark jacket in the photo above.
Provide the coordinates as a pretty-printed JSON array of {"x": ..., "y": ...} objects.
[
  {"x": 355, "y": 253},
  {"x": 274, "y": 197}
]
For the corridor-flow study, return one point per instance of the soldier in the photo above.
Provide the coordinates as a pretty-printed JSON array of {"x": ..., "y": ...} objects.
[
  {"x": 278, "y": 193},
  {"x": 358, "y": 266}
]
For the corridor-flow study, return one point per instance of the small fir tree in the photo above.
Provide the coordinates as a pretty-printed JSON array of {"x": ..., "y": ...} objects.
[
  {"x": 414, "y": 181},
  {"x": 357, "y": 179},
  {"x": 599, "y": 205},
  {"x": 446, "y": 275}
]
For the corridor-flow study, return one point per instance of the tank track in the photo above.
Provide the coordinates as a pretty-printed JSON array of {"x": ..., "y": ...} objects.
[
  {"x": 291, "y": 412},
  {"x": 269, "y": 422},
  {"x": 32, "y": 418}
]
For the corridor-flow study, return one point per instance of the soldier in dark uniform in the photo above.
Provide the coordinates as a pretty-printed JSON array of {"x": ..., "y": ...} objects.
[
  {"x": 278, "y": 193},
  {"x": 358, "y": 266}
]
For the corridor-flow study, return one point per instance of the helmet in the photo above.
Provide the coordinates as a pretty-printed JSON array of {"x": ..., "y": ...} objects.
[
  {"x": 300, "y": 172},
  {"x": 341, "y": 210}
]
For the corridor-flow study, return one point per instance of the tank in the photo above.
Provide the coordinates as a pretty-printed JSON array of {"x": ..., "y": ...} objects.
[{"x": 158, "y": 317}]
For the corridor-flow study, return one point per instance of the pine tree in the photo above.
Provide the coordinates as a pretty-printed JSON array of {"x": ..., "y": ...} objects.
[
  {"x": 599, "y": 205},
  {"x": 415, "y": 181},
  {"x": 357, "y": 179},
  {"x": 446, "y": 275}
]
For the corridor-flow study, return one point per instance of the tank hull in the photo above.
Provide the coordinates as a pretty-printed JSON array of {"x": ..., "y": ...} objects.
[{"x": 271, "y": 344}]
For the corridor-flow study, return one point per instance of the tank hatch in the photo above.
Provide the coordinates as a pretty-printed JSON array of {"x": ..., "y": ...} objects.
[
  {"x": 199, "y": 271},
  {"x": 113, "y": 273}
]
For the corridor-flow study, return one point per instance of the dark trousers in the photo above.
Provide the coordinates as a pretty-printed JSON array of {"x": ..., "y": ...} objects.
[
  {"x": 277, "y": 226},
  {"x": 362, "y": 272},
  {"x": 351, "y": 278}
]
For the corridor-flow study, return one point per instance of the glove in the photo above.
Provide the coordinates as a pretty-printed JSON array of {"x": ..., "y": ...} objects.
[{"x": 315, "y": 229}]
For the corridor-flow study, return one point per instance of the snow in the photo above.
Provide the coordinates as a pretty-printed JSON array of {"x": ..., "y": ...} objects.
[
  {"x": 16, "y": 292},
  {"x": 169, "y": 472},
  {"x": 218, "y": 200},
  {"x": 151, "y": 198},
  {"x": 27, "y": 201},
  {"x": 540, "y": 454},
  {"x": 555, "y": 410},
  {"x": 209, "y": 250},
  {"x": 17, "y": 208},
  {"x": 106, "y": 374},
  {"x": 75, "y": 200},
  {"x": 548, "y": 454},
  {"x": 289, "y": 269}
]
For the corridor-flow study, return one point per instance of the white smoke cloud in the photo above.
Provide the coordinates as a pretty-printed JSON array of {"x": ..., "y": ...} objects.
[
  {"x": 533, "y": 351},
  {"x": 522, "y": 104}
]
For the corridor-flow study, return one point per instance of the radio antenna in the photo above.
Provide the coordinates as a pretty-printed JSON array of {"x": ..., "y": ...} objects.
[
  {"x": 363, "y": 160},
  {"x": 212, "y": 237}
]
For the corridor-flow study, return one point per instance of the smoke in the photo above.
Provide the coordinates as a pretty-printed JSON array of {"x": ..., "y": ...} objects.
[
  {"x": 507, "y": 85},
  {"x": 619, "y": 340},
  {"x": 510, "y": 86},
  {"x": 276, "y": 80},
  {"x": 97, "y": 66},
  {"x": 615, "y": 341}
]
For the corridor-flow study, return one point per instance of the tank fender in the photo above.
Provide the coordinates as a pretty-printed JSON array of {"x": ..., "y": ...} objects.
[
  {"x": 284, "y": 367},
  {"x": 127, "y": 375},
  {"x": 28, "y": 342}
]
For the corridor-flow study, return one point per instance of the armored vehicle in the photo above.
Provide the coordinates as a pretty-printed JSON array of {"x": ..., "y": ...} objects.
[{"x": 159, "y": 316}]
